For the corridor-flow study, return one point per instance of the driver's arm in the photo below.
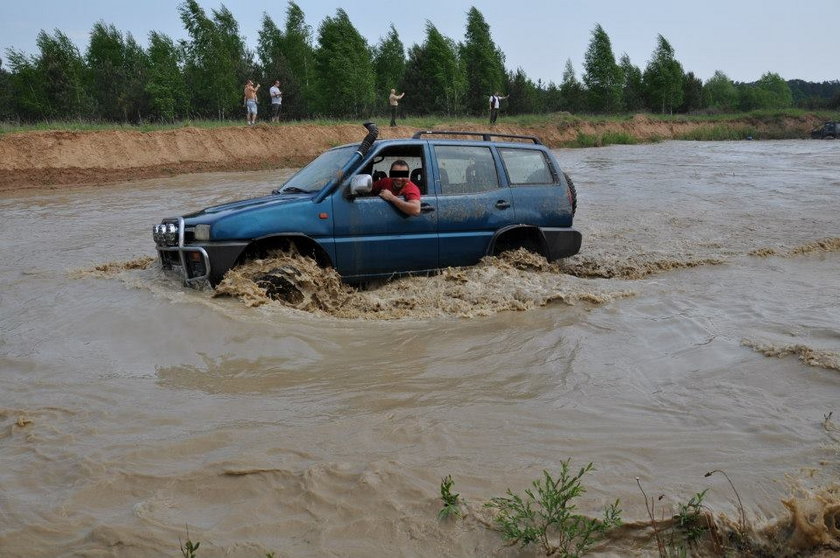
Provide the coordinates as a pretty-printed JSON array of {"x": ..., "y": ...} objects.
[{"x": 411, "y": 207}]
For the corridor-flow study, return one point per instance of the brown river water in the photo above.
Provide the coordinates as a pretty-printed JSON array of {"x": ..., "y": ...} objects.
[{"x": 698, "y": 330}]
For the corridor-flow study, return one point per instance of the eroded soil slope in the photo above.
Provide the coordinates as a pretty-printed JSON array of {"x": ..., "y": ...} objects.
[{"x": 52, "y": 159}]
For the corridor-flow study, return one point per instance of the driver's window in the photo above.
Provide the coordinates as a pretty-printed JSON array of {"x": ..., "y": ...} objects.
[{"x": 381, "y": 165}]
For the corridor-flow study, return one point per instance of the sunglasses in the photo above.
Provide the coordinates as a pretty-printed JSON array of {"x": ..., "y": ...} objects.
[{"x": 398, "y": 174}]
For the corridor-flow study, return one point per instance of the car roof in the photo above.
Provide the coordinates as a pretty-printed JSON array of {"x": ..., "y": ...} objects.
[{"x": 451, "y": 137}]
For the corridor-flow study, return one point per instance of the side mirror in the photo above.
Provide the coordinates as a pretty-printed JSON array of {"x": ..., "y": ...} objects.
[{"x": 361, "y": 184}]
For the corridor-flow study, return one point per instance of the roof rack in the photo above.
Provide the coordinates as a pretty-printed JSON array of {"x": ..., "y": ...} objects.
[{"x": 484, "y": 135}]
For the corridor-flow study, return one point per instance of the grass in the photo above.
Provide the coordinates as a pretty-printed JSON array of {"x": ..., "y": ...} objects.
[
  {"x": 720, "y": 132},
  {"x": 722, "y": 126},
  {"x": 681, "y": 537},
  {"x": 601, "y": 140}
]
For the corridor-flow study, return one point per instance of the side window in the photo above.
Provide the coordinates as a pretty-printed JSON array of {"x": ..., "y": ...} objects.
[
  {"x": 527, "y": 166},
  {"x": 466, "y": 169}
]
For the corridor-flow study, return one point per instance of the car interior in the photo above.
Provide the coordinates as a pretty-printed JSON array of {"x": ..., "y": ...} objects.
[{"x": 380, "y": 165}]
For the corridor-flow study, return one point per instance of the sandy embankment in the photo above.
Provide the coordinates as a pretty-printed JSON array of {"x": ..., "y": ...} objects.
[{"x": 53, "y": 159}]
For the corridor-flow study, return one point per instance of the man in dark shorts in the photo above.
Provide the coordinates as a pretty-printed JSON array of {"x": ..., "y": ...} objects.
[{"x": 398, "y": 190}]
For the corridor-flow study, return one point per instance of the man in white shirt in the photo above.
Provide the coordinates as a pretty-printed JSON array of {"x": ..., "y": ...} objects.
[
  {"x": 494, "y": 106},
  {"x": 394, "y": 101},
  {"x": 276, "y": 101}
]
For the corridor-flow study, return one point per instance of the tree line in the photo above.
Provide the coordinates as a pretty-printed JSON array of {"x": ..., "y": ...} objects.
[{"x": 336, "y": 73}]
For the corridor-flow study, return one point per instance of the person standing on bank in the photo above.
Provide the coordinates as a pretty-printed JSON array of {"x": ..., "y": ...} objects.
[
  {"x": 393, "y": 100},
  {"x": 251, "y": 101},
  {"x": 276, "y": 100},
  {"x": 494, "y": 106}
]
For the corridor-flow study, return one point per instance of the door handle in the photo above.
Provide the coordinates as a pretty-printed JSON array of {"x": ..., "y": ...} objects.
[
  {"x": 426, "y": 208},
  {"x": 502, "y": 204}
]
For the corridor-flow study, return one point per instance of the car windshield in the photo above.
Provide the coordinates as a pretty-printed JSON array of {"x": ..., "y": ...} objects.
[{"x": 319, "y": 172}]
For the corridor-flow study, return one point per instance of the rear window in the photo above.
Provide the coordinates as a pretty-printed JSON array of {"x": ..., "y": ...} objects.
[{"x": 527, "y": 166}]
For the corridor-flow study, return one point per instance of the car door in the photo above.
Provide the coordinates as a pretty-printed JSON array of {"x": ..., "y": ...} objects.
[
  {"x": 471, "y": 202},
  {"x": 372, "y": 237},
  {"x": 535, "y": 185}
]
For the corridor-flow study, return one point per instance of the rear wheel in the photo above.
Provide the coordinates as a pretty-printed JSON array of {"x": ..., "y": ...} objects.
[
  {"x": 572, "y": 192},
  {"x": 523, "y": 237}
]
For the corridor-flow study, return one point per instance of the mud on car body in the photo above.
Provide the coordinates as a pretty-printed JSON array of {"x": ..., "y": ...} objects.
[{"x": 482, "y": 194}]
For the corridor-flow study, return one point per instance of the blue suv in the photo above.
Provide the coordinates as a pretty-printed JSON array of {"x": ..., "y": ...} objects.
[{"x": 482, "y": 194}]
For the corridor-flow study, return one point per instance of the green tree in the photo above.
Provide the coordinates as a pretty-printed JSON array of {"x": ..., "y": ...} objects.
[
  {"x": 414, "y": 80},
  {"x": 6, "y": 107},
  {"x": 602, "y": 76},
  {"x": 632, "y": 91},
  {"x": 297, "y": 45},
  {"x": 59, "y": 70},
  {"x": 274, "y": 65},
  {"x": 776, "y": 89},
  {"x": 134, "y": 100},
  {"x": 692, "y": 93},
  {"x": 217, "y": 63},
  {"x": 719, "y": 93},
  {"x": 30, "y": 98},
  {"x": 663, "y": 78},
  {"x": 524, "y": 94},
  {"x": 165, "y": 85},
  {"x": 287, "y": 55},
  {"x": 769, "y": 92},
  {"x": 552, "y": 99},
  {"x": 106, "y": 76},
  {"x": 116, "y": 74},
  {"x": 389, "y": 63},
  {"x": 343, "y": 69},
  {"x": 444, "y": 71},
  {"x": 483, "y": 62},
  {"x": 571, "y": 90}
]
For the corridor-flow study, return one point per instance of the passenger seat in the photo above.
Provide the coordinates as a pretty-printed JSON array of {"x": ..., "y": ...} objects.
[{"x": 418, "y": 178}]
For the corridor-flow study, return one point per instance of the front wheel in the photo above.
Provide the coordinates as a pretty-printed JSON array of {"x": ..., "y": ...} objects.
[{"x": 281, "y": 283}]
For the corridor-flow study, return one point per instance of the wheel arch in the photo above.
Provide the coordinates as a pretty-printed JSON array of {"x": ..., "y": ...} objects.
[
  {"x": 304, "y": 244},
  {"x": 512, "y": 237}
]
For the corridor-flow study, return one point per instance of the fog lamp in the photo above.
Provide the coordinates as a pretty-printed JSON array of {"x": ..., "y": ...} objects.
[{"x": 202, "y": 232}]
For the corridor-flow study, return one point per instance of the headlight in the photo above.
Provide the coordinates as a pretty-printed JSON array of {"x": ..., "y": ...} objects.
[
  {"x": 171, "y": 234},
  {"x": 202, "y": 232}
]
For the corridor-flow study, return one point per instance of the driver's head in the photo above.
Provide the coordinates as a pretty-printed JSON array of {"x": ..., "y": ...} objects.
[{"x": 399, "y": 173}]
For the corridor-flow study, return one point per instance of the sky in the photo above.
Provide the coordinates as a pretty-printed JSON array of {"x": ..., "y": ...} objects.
[{"x": 742, "y": 38}]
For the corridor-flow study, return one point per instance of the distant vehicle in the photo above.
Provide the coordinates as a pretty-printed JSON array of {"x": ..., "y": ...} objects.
[
  {"x": 829, "y": 130},
  {"x": 480, "y": 196}
]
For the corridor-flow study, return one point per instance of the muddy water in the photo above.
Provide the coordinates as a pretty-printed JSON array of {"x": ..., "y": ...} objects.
[{"x": 698, "y": 329}]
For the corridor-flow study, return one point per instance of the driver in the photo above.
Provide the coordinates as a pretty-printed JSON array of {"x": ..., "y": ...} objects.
[{"x": 398, "y": 189}]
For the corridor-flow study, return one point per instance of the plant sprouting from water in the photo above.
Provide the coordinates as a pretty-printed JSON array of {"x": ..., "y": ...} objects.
[
  {"x": 451, "y": 504},
  {"x": 546, "y": 515},
  {"x": 188, "y": 548}
]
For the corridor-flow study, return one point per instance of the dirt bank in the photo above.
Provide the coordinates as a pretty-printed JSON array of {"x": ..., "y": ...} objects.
[{"x": 54, "y": 159}]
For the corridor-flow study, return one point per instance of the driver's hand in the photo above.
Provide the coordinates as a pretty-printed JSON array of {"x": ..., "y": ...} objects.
[{"x": 386, "y": 195}]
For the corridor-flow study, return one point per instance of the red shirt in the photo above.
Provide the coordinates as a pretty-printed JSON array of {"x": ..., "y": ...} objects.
[{"x": 408, "y": 192}]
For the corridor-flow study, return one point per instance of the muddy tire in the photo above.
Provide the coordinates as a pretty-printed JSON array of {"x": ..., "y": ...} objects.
[
  {"x": 281, "y": 283},
  {"x": 572, "y": 190}
]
